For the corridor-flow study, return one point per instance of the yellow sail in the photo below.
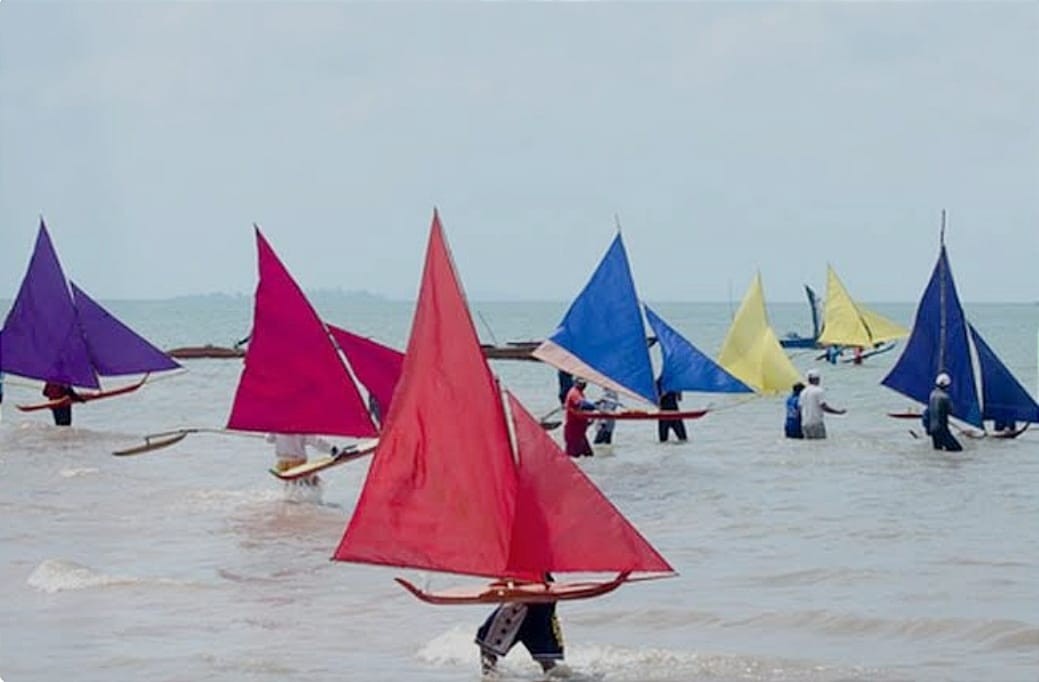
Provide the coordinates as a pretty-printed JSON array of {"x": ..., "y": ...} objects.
[
  {"x": 751, "y": 351},
  {"x": 846, "y": 323}
]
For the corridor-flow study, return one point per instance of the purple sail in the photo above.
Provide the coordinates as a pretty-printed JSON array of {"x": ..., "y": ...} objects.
[
  {"x": 114, "y": 348},
  {"x": 42, "y": 338}
]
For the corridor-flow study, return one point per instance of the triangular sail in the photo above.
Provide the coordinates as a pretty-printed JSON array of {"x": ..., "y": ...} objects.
[
  {"x": 938, "y": 344},
  {"x": 294, "y": 380},
  {"x": 685, "y": 367},
  {"x": 448, "y": 494},
  {"x": 846, "y": 323},
  {"x": 441, "y": 489},
  {"x": 378, "y": 367},
  {"x": 42, "y": 338},
  {"x": 602, "y": 337},
  {"x": 1003, "y": 398},
  {"x": 562, "y": 521},
  {"x": 114, "y": 348},
  {"x": 751, "y": 351}
]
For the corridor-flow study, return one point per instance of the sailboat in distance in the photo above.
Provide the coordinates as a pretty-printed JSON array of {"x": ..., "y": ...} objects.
[
  {"x": 848, "y": 323},
  {"x": 55, "y": 332},
  {"x": 489, "y": 494},
  {"x": 943, "y": 340},
  {"x": 795, "y": 340},
  {"x": 751, "y": 351}
]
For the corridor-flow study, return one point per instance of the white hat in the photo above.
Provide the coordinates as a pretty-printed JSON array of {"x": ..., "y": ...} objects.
[
  {"x": 942, "y": 380},
  {"x": 812, "y": 374}
]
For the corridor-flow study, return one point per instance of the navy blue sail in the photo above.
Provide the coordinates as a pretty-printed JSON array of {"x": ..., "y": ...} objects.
[
  {"x": 685, "y": 367},
  {"x": 602, "y": 337},
  {"x": 942, "y": 341},
  {"x": 1003, "y": 399}
]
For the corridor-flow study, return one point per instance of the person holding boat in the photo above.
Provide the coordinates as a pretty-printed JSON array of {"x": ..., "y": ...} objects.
[
  {"x": 813, "y": 405},
  {"x": 669, "y": 401},
  {"x": 535, "y": 625},
  {"x": 53, "y": 390},
  {"x": 939, "y": 406},
  {"x": 576, "y": 425},
  {"x": 290, "y": 450},
  {"x": 609, "y": 402}
]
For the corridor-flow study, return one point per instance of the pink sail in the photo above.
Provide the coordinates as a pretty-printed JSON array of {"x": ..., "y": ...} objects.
[
  {"x": 378, "y": 367},
  {"x": 294, "y": 380}
]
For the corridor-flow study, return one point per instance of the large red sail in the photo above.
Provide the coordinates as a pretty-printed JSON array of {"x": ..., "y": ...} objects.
[
  {"x": 562, "y": 521},
  {"x": 294, "y": 380},
  {"x": 441, "y": 488},
  {"x": 378, "y": 367}
]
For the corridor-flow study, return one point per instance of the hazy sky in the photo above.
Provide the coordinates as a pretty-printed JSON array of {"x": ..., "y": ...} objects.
[{"x": 726, "y": 137}]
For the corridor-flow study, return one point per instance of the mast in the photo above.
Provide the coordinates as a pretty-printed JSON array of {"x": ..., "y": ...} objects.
[{"x": 941, "y": 299}]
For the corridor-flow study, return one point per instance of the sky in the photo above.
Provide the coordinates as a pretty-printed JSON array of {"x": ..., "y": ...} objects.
[{"x": 724, "y": 139}]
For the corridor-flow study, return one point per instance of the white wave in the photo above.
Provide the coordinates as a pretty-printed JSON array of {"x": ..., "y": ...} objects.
[
  {"x": 56, "y": 575},
  {"x": 456, "y": 648},
  {"x": 78, "y": 471}
]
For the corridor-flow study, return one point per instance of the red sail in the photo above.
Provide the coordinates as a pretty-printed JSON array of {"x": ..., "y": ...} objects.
[
  {"x": 441, "y": 488},
  {"x": 294, "y": 380},
  {"x": 562, "y": 521},
  {"x": 377, "y": 366}
]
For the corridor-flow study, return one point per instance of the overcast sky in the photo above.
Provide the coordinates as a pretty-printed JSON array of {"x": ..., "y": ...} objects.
[{"x": 726, "y": 137}]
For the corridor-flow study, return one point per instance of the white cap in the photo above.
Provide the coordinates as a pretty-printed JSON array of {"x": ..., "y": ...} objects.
[
  {"x": 812, "y": 374},
  {"x": 942, "y": 380}
]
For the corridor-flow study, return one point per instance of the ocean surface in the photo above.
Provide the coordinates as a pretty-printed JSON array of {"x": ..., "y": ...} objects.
[{"x": 864, "y": 557}]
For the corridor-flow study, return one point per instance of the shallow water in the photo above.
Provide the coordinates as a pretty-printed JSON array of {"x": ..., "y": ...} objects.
[{"x": 864, "y": 557}]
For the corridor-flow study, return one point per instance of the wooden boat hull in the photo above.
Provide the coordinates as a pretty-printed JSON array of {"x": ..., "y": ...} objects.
[
  {"x": 207, "y": 351},
  {"x": 314, "y": 466},
  {"x": 84, "y": 397},
  {"x": 502, "y": 592},
  {"x": 642, "y": 414}
]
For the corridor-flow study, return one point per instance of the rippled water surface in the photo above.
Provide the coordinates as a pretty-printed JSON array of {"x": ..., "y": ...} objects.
[{"x": 864, "y": 557}]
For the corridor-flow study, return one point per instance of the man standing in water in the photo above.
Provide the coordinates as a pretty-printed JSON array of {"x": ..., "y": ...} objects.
[
  {"x": 63, "y": 412},
  {"x": 939, "y": 405},
  {"x": 813, "y": 405},
  {"x": 535, "y": 625},
  {"x": 576, "y": 425}
]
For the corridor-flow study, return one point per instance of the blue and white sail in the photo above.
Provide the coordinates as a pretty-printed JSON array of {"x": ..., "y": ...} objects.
[
  {"x": 943, "y": 340},
  {"x": 685, "y": 367},
  {"x": 602, "y": 336}
]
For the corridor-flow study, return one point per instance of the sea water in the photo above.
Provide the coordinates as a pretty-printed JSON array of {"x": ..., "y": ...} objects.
[{"x": 867, "y": 556}]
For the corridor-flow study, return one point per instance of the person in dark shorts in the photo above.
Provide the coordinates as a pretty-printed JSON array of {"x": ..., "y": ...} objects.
[{"x": 533, "y": 625}]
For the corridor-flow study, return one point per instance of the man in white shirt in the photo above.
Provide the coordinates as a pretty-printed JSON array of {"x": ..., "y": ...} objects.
[{"x": 813, "y": 405}]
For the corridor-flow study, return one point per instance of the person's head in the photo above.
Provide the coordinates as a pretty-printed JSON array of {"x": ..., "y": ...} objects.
[
  {"x": 943, "y": 380},
  {"x": 798, "y": 387},
  {"x": 813, "y": 376},
  {"x": 580, "y": 382}
]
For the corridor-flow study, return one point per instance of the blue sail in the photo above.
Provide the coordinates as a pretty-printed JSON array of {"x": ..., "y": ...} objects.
[
  {"x": 602, "y": 336},
  {"x": 686, "y": 368},
  {"x": 938, "y": 344},
  {"x": 1003, "y": 398}
]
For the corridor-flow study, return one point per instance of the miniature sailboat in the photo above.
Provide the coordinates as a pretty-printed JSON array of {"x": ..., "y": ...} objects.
[
  {"x": 944, "y": 341},
  {"x": 792, "y": 339},
  {"x": 56, "y": 333},
  {"x": 294, "y": 379},
  {"x": 847, "y": 323},
  {"x": 751, "y": 351},
  {"x": 603, "y": 339},
  {"x": 685, "y": 367},
  {"x": 488, "y": 494}
]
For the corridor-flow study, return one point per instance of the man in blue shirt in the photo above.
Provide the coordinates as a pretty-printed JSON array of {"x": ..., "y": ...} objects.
[{"x": 792, "y": 427}]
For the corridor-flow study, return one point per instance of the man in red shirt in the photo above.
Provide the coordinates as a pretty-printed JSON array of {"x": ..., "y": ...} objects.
[{"x": 577, "y": 444}]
